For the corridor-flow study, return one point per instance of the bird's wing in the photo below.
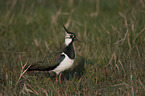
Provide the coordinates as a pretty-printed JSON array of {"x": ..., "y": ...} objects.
[{"x": 49, "y": 63}]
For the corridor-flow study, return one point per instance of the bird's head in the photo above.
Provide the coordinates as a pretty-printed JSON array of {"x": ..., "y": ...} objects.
[{"x": 69, "y": 37}]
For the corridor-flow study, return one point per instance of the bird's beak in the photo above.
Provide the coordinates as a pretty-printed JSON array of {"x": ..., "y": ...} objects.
[{"x": 75, "y": 39}]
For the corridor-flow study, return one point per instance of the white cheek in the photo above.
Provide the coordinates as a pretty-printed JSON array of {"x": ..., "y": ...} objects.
[{"x": 68, "y": 41}]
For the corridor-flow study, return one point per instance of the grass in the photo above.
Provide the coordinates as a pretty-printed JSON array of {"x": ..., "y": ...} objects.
[{"x": 109, "y": 61}]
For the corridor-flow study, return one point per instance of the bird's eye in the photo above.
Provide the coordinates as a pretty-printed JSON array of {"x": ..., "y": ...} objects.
[{"x": 71, "y": 36}]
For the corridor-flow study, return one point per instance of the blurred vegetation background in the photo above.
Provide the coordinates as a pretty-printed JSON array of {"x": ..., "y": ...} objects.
[{"x": 110, "y": 60}]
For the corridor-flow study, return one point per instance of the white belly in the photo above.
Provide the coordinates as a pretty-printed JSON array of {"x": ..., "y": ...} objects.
[{"x": 64, "y": 65}]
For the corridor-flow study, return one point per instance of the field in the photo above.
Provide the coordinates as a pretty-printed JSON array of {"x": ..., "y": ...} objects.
[{"x": 110, "y": 60}]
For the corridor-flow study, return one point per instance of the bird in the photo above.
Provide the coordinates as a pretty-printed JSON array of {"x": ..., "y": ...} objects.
[{"x": 58, "y": 61}]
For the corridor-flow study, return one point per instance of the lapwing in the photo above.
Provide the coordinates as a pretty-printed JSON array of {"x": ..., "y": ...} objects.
[{"x": 64, "y": 59}]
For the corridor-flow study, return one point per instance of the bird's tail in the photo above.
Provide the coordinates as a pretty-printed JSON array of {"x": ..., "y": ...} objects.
[
  {"x": 28, "y": 67},
  {"x": 36, "y": 67},
  {"x": 32, "y": 68}
]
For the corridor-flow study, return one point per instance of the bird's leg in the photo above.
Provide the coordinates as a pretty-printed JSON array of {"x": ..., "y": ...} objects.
[
  {"x": 56, "y": 78},
  {"x": 60, "y": 79}
]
